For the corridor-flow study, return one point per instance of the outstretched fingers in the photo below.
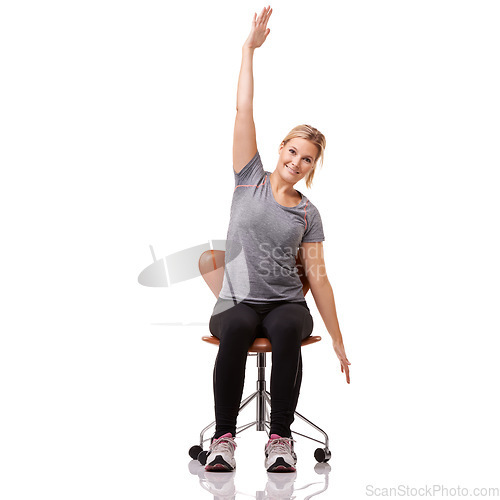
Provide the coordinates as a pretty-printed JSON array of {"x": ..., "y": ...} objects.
[
  {"x": 269, "y": 12},
  {"x": 344, "y": 367},
  {"x": 264, "y": 16}
]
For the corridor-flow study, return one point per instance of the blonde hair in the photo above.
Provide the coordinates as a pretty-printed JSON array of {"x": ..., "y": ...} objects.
[{"x": 316, "y": 137}]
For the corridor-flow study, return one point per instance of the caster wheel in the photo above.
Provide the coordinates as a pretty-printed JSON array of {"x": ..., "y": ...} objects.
[
  {"x": 322, "y": 454},
  {"x": 202, "y": 457},
  {"x": 194, "y": 451}
]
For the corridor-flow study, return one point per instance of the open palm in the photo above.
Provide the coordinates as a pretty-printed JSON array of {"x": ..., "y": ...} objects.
[{"x": 259, "y": 31}]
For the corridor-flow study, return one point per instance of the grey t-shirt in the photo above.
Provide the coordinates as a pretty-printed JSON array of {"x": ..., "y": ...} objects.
[{"x": 263, "y": 239}]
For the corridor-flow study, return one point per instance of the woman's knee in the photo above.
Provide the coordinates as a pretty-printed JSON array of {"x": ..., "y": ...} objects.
[
  {"x": 235, "y": 325},
  {"x": 288, "y": 322}
]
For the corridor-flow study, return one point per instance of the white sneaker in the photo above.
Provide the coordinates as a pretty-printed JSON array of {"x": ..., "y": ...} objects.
[
  {"x": 221, "y": 456},
  {"x": 280, "y": 456}
]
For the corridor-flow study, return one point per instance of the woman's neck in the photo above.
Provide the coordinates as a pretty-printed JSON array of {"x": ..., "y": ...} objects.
[{"x": 281, "y": 187}]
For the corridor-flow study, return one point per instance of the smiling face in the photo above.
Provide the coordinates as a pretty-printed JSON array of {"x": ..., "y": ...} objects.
[{"x": 296, "y": 159}]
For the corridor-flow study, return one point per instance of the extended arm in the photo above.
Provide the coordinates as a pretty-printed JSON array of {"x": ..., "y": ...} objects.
[
  {"x": 244, "y": 95},
  {"x": 257, "y": 36},
  {"x": 311, "y": 255},
  {"x": 244, "y": 139}
]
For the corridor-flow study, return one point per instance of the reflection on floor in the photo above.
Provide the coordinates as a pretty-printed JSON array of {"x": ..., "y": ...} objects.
[{"x": 279, "y": 485}]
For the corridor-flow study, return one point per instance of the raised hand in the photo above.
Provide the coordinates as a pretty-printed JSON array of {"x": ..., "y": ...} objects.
[{"x": 259, "y": 31}]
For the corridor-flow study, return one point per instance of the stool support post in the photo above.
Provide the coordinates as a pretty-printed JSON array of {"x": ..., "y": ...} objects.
[{"x": 261, "y": 390}]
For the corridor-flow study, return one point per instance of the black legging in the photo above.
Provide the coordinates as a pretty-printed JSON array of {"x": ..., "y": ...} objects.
[{"x": 285, "y": 324}]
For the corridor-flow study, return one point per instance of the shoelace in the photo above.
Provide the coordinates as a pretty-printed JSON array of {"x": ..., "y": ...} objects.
[
  {"x": 223, "y": 444},
  {"x": 280, "y": 445}
]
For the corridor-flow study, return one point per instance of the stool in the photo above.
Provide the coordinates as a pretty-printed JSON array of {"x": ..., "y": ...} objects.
[{"x": 259, "y": 348}]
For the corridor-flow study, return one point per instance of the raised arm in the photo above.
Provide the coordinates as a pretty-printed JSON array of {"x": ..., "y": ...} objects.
[{"x": 244, "y": 139}]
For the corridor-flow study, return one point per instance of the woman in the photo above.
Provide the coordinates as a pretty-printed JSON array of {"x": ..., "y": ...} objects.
[{"x": 262, "y": 294}]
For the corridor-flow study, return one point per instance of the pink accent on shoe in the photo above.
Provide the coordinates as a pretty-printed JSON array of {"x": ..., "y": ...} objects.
[
  {"x": 228, "y": 435},
  {"x": 275, "y": 436}
]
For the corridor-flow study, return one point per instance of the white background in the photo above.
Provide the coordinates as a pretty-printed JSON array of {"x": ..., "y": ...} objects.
[{"x": 116, "y": 127}]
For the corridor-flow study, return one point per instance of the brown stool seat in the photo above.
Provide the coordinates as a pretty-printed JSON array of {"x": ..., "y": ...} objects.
[{"x": 260, "y": 344}]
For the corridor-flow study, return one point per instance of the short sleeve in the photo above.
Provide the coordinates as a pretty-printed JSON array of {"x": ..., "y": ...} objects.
[
  {"x": 314, "y": 226},
  {"x": 251, "y": 174}
]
